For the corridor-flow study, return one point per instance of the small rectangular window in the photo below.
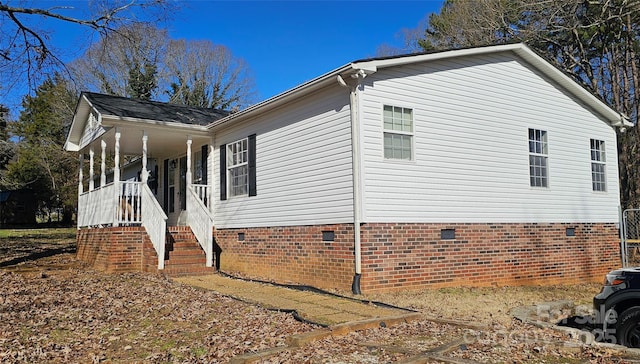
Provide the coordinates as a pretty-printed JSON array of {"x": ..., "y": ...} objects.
[
  {"x": 598, "y": 166},
  {"x": 538, "y": 158},
  {"x": 240, "y": 236},
  {"x": 570, "y": 232},
  {"x": 398, "y": 132}
]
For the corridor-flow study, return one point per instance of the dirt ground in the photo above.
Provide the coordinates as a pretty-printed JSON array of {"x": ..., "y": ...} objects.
[{"x": 54, "y": 309}]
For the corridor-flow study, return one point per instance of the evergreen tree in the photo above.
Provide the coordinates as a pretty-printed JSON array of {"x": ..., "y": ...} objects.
[{"x": 41, "y": 164}]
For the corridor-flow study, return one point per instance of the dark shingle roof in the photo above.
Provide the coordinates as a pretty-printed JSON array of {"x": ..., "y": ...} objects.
[{"x": 153, "y": 110}]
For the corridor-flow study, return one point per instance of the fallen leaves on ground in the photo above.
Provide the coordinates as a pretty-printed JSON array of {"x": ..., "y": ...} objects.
[
  {"x": 55, "y": 309},
  {"x": 84, "y": 316}
]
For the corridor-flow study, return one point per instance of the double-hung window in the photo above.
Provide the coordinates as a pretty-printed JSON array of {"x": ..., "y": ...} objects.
[
  {"x": 238, "y": 167},
  {"x": 398, "y": 132},
  {"x": 598, "y": 165},
  {"x": 538, "y": 158}
]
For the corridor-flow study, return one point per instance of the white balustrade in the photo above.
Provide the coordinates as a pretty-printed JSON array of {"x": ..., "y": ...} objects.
[
  {"x": 200, "y": 219},
  {"x": 100, "y": 208},
  {"x": 154, "y": 221},
  {"x": 96, "y": 207}
]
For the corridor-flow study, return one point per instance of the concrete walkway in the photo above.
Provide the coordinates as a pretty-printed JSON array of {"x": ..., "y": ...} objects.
[{"x": 324, "y": 309}]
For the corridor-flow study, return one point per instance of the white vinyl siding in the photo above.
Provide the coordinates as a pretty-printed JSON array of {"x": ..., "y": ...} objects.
[
  {"x": 598, "y": 165},
  {"x": 92, "y": 131},
  {"x": 303, "y": 165},
  {"x": 470, "y": 161}
]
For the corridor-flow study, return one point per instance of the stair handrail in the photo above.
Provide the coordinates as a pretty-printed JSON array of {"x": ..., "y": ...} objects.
[
  {"x": 154, "y": 221},
  {"x": 200, "y": 220}
]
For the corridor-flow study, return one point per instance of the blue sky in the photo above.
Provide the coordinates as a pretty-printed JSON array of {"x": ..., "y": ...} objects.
[
  {"x": 289, "y": 42},
  {"x": 285, "y": 43}
]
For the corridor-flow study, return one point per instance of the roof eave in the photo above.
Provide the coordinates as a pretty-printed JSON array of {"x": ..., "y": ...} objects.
[
  {"x": 72, "y": 143},
  {"x": 124, "y": 121},
  {"x": 613, "y": 117},
  {"x": 284, "y": 97}
]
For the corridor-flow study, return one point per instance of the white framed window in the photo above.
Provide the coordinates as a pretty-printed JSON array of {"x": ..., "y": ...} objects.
[
  {"x": 538, "y": 158},
  {"x": 238, "y": 167},
  {"x": 598, "y": 166},
  {"x": 398, "y": 132}
]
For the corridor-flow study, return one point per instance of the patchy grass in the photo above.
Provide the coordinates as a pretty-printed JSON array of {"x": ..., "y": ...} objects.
[{"x": 49, "y": 233}]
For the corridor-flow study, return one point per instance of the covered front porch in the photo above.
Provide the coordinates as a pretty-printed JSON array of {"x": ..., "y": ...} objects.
[{"x": 142, "y": 175}]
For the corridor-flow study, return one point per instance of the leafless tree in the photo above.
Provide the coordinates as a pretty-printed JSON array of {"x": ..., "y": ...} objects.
[
  {"x": 26, "y": 53},
  {"x": 200, "y": 73},
  {"x": 119, "y": 59}
]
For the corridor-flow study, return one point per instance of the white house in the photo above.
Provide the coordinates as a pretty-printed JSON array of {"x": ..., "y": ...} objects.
[{"x": 466, "y": 167}]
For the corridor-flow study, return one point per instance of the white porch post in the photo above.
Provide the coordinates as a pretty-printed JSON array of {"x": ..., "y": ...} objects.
[
  {"x": 144, "y": 175},
  {"x": 103, "y": 163},
  {"x": 210, "y": 174},
  {"x": 116, "y": 175},
  {"x": 80, "y": 176},
  {"x": 91, "y": 155},
  {"x": 189, "y": 176}
]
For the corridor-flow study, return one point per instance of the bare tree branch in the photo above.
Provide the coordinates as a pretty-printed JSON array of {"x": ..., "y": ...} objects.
[{"x": 26, "y": 56}]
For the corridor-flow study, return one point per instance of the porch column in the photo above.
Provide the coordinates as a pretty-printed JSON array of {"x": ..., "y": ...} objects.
[
  {"x": 116, "y": 175},
  {"x": 189, "y": 176},
  {"x": 210, "y": 174},
  {"x": 80, "y": 188},
  {"x": 144, "y": 174},
  {"x": 91, "y": 155},
  {"x": 103, "y": 163}
]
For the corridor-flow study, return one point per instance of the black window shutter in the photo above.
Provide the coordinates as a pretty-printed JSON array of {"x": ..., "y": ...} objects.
[
  {"x": 205, "y": 172},
  {"x": 252, "y": 165},
  {"x": 223, "y": 172},
  {"x": 165, "y": 184}
]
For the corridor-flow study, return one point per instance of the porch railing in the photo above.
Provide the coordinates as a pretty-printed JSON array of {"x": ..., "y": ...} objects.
[
  {"x": 106, "y": 206},
  {"x": 129, "y": 203},
  {"x": 96, "y": 208},
  {"x": 200, "y": 219},
  {"x": 154, "y": 221}
]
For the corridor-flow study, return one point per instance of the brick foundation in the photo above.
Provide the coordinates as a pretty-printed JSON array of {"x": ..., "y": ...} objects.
[
  {"x": 114, "y": 249},
  {"x": 413, "y": 256},
  {"x": 293, "y": 254}
]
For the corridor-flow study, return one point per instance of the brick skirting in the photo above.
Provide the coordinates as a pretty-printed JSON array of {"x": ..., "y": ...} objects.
[
  {"x": 116, "y": 249},
  {"x": 294, "y": 254},
  {"x": 413, "y": 256}
]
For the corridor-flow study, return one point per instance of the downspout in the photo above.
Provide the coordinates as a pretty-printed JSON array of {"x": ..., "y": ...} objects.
[{"x": 355, "y": 165}]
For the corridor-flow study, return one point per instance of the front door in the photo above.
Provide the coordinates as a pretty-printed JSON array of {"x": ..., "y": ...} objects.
[{"x": 176, "y": 193}]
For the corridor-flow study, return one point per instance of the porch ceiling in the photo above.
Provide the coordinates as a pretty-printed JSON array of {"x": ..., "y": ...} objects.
[{"x": 162, "y": 142}]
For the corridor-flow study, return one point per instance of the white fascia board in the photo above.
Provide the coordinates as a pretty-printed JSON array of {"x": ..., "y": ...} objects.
[
  {"x": 401, "y": 60},
  {"x": 83, "y": 109},
  {"x": 112, "y": 120},
  {"x": 614, "y": 117},
  {"x": 282, "y": 98},
  {"x": 368, "y": 67}
]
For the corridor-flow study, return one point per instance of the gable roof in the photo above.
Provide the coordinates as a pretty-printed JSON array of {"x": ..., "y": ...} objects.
[
  {"x": 124, "y": 107},
  {"x": 369, "y": 66}
]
